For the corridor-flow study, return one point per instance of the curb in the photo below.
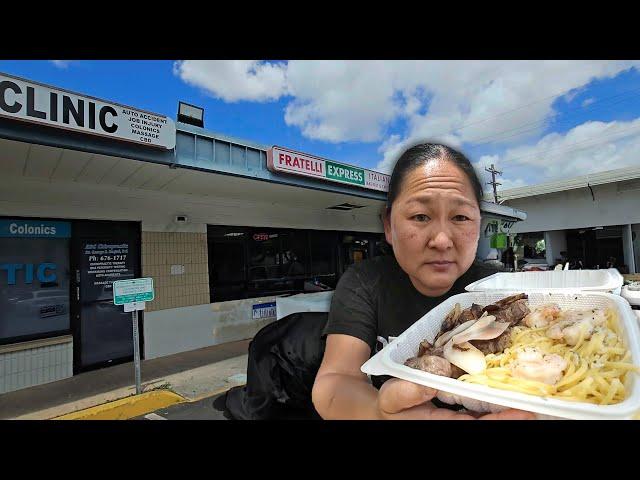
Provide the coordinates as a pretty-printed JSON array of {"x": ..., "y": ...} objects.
[{"x": 129, "y": 407}]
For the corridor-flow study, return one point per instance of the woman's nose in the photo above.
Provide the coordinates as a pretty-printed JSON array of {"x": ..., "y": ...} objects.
[{"x": 441, "y": 240}]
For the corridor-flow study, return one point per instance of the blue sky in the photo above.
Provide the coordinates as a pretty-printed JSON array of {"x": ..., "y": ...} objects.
[{"x": 537, "y": 121}]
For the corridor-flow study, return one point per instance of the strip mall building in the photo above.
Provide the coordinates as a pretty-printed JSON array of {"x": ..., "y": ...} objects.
[
  {"x": 599, "y": 219},
  {"x": 92, "y": 192}
]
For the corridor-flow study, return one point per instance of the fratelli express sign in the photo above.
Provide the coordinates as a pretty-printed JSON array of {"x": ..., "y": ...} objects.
[
  {"x": 288, "y": 161},
  {"x": 37, "y": 103}
]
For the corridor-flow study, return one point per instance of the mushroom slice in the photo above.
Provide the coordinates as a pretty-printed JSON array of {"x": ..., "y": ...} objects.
[
  {"x": 445, "y": 337},
  {"x": 486, "y": 328},
  {"x": 465, "y": 356}
]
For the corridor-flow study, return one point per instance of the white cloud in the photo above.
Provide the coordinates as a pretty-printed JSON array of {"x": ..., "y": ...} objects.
[
  {"x": 498, "y": 102},
  {"x": 588, "y": 148},
  {"x": 235, "y": 80},
  {"x": 511, "y": 183},
  {"x": 573, "y": 93},
  {"x": 588, "y": 102},
  {"x": 400, "y": 103},
  {"x": 61, "y": 63},
  {"x": 340, "y": 101}
]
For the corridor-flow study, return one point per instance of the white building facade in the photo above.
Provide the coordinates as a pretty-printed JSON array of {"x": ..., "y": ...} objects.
[{"x": 594, "y": 219}]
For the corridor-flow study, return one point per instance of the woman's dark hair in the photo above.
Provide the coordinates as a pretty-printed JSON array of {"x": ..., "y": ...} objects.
[{"x": 424, "y": 153}]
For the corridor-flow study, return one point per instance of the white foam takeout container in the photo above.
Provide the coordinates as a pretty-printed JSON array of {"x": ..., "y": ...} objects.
[
  {"x": 390, "y": 360},
  {"x": 565, "y": 281}
]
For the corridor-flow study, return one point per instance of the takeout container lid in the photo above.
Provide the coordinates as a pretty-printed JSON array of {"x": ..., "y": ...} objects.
[
  {"x": 559, "y": 281},
  {"x": 631, "y": 296},
  {"x": 390, "y": 360}
]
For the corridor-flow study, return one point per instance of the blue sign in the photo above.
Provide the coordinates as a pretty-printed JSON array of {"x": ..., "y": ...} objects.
[
  {"x": 264, "y": 310},
  {"x": 45, "y": 272},
  {"x": 34, "y": 229}
]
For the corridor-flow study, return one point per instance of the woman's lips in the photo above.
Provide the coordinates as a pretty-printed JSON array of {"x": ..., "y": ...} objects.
[{"x": 440, "y": 265}]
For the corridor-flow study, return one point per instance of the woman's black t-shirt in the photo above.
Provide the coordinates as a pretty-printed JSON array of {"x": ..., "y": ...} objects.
[{"x": 376, "y": 298}]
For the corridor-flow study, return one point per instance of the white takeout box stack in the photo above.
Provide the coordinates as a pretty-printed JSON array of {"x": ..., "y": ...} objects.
[
  {"x": 578, "y": 289},
  {"x": 557, "y": 281}
]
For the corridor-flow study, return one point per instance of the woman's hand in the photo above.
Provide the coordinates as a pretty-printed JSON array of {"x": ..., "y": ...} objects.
[
  {"x": 342, "y": 391},
  {"x": 403, "y": 400}
]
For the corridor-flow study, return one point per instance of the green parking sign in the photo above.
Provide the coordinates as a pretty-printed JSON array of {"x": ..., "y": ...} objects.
[{"x": 134, "y": 290}]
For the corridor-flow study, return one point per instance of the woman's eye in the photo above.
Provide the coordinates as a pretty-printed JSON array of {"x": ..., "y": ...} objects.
[
  {"x": 420, "y": 217},
  {"x": 461, "y": 218}
]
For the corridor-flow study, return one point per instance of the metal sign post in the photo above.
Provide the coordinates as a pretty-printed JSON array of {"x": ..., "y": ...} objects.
[
  {"x": 133, "y": 294},
  {"x": 136, "y": 351}
]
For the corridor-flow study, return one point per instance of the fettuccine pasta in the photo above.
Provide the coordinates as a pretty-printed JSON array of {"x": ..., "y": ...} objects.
[{"x": 595, "y": 373}]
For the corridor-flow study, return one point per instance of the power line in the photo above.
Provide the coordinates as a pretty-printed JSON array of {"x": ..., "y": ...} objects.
[
  {"x": 562, "y": 148},
  {"x": 587, "y": 147},
  {"x": 466, "y": 125},
  {"x": 538, "y": 123}
]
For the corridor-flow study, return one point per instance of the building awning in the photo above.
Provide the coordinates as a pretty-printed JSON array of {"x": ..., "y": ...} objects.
[{"x": 502, "y": 210}]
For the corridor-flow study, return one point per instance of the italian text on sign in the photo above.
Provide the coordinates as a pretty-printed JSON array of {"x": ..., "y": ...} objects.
[
  {"x": 134, "y": 290},
  {"x": 296, "y": 163}
]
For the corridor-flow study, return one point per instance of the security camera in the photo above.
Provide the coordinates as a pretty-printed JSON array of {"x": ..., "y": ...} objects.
[{"x": 182, "y": 219}]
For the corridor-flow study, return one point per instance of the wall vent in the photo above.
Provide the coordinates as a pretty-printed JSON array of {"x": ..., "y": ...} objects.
[{"x": 345, "y": 206}]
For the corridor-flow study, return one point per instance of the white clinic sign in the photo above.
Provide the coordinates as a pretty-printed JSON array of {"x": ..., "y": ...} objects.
[{"x": 37, "y": 103}]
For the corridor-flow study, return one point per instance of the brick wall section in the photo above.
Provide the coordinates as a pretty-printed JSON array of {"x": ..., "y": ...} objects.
[{"x": 160, "y": 250}]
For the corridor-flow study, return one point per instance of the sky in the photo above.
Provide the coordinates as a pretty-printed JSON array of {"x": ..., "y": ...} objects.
[{"x": 535, "y": 121}]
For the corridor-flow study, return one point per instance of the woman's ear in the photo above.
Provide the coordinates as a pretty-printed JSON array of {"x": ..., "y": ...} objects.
[{"x": 386, "y": 221}]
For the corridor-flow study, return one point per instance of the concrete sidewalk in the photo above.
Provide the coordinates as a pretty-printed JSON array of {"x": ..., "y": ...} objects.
[{"x": 194, "y": 375}]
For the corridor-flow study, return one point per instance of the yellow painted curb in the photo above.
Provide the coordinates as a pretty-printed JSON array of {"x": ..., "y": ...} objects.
[{"x": 126, "y": 408}]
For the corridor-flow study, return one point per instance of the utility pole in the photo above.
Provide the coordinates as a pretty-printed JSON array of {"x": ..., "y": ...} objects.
[{"x": 493, "y": 182}]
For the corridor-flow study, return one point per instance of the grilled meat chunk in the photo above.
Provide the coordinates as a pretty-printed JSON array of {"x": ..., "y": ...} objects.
[
  {"x": 494, "y": 345},
  {"x": 432, "y": 364}
]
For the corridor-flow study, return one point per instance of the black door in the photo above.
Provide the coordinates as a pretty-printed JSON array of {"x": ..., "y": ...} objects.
[{"x": 101, "y": 253}]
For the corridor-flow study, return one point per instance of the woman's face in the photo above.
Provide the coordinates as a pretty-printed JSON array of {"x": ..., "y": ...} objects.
[{"x": 434, "y": 226}]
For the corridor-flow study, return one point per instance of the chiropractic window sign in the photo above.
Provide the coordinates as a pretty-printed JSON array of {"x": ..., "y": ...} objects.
[
  {"x": 102, "y": 264},
  {"x": 296, "y": 163},
  {"x": 37, "y": 103},
  {"x": 34, "y": 277}
]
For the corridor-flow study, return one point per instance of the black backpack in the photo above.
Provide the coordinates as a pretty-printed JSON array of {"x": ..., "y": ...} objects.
[{"x": 284, "y": 358}]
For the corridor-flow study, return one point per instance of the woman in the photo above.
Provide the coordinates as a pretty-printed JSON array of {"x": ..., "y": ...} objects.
[{"x": 432, "y": 223}]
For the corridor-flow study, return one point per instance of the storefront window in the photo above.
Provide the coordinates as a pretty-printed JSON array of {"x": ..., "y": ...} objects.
[
  {"x": 264, "y": 255},
  {"x": 530, "y": 246},
  {"x": 227, "y": 263},
  {"x": 323, "y": 248},
  {"x": 280, "y": 261},
  {"x": 34, "y": 279},
  {"x": 295, "y": 253}
]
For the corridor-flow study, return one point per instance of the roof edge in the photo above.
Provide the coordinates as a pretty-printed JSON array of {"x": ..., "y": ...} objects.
[{"x": 584, "y": 181}]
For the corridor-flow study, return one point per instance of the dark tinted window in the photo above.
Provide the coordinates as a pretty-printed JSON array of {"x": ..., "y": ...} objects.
[
  {"x": 323, "y": 252},
  {"x": 34, "y": 286},
  {"x": 227, "y": 263},
  {"x": 264, "y": 255},
  {"x": 248, "y": 262},
  {"x": 295, "y": 253}
]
